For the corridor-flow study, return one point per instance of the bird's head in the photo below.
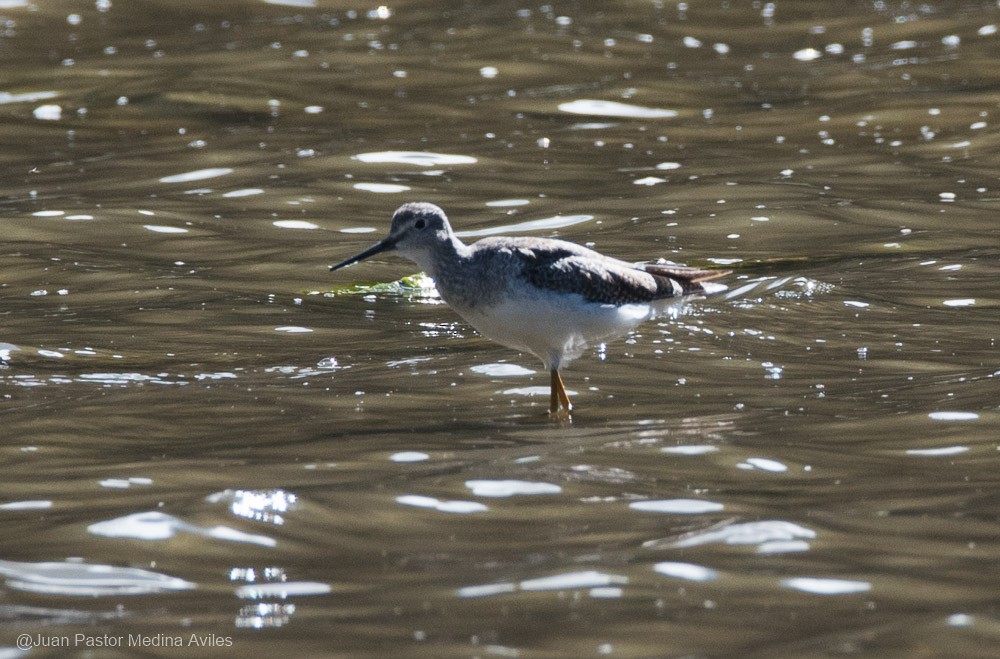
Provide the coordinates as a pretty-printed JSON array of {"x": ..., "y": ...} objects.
[{"x": 416, "y": 228}]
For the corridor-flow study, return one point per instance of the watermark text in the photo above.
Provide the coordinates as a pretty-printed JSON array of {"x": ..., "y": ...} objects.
[{"x": 91, "y": 640}]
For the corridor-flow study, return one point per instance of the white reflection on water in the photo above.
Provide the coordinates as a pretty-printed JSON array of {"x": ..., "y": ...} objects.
[
  {"x": 584, "y": 579},
  {"x": 87, "y": 580},
  {"x": 614, "y": 109},
  {"x": 501, "y": 370},
  {"x": 381, "y": 188},
  {"x": 508, "y": 488},
  {"x": 782, "y": 547},
  {"x": 763, "y": 464},
  {"x": 459, "y": 507},
  {"x": 807, "y": 54},
  {"x": 109, "y": 379},
  {"x": 38, "y": 504},
  {"x": 154, "y": 525},
  {"x": 282, "y": 590},
  {"x": 694, "y": 449},
  {"x": 125, "y": 483},
  {"x": 544, "y": 224},
  {"x": 122, "y": 379},
  {"x": 532, "y": 391},
  {"x": 48, "y": 112},
  {"x": 197, "y": 175},
  {"x": 592, "y": 125},
  {"x": 268, "y": 506},
  {"x": 264, "y": 615},
  {"x": 222, "y": 375},
  {"x": 677, "y": 506},
  {"x": 688, "y": 571},
  {"x": 270, "y": 582},
  {"x": 413, "y": 361},
  {"x": 960, "y": 620},
  {"x": 5, "y": 352},
  {"x": 158, "y": 228},
  {"x": 245, "y": 192},
  {"x": 787, "y": 288},
  {"x": 295, "y": 224},
  {"x": 25, "y": 97},
  {"x": 409, "y": 456},
  {"x": 486, "y": 590},
  {"x": 507, "y": 203},
  {"x": 570, "y": 580},
  {"x": 301, "y": 4},
  {"x": 325, "y": 365},
  {"x": 953, "y": 416},
  {"x": 819, "y": 586},
  {"x": 418, "y": 158},
  {"x": 939, "y": 451},
  {"x": 747, "y": 533}
]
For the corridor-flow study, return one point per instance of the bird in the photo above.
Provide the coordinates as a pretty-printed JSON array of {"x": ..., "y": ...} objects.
[{"x": 543, "y": 296}]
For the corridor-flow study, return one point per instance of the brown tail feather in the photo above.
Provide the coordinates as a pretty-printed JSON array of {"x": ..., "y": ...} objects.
[
  {"x": 689, "y": 278},
  {"x": 683, "y": 273}
]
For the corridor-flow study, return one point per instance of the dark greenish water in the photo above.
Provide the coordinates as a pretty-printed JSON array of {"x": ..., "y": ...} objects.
[{"x": 213, "y": 446}]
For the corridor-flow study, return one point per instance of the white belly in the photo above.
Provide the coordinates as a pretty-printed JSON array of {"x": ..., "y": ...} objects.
[{"x": 555, "y": 328}]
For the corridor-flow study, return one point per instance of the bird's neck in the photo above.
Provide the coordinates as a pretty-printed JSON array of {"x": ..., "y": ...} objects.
[{"x": 443, "y": 256}]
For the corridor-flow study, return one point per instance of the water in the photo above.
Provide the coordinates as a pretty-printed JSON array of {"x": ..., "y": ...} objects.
[{"x": 210, "y": 438}]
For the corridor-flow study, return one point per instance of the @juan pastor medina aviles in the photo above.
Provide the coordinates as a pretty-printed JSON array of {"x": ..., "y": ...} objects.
[{"x": 81, "y": 640}]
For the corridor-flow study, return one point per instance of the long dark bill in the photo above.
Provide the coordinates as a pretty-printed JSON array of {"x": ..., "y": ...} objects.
[{"x": 383, "y": 246}]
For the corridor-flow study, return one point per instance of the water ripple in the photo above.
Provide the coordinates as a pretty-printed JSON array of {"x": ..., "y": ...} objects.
[{"x": 87, "y": 579}]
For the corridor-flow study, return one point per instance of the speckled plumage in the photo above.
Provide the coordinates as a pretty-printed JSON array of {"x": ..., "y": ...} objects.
[
  {"x": 547, "y": 297},
  {"x": 556, "y": 265},
  {"x": 563, "y": 267}
]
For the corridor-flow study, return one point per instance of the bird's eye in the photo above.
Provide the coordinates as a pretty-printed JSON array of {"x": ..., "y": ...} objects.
[{"x": 420, "y": 224}]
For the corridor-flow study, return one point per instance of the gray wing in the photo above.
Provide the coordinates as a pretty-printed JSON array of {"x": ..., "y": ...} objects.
[{"x": 565, "y": 267}]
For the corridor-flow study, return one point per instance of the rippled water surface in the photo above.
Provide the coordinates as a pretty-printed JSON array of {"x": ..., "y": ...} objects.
[{"x": 211, "y": 441}]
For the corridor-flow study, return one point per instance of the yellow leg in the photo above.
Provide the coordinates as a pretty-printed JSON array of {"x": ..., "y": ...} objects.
[{"x": 559, "y": 404}]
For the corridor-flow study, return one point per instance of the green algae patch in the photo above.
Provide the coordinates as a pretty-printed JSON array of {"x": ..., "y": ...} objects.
[{"x": 418, "y": 285}]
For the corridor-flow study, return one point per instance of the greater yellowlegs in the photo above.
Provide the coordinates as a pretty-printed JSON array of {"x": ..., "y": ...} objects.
[{"x": 543, "y": 296}]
